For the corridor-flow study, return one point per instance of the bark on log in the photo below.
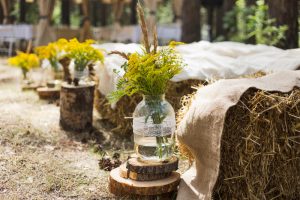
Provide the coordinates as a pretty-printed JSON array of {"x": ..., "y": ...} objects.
[
  {"x": 76, "y": 107},
  {"x": 124, "y": 173},
  {"x": 137, "y": 166},
  {"x": 122, "y": 186}
]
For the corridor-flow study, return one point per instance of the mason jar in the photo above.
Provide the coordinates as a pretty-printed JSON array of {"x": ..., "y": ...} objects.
[
  {"x": 81, "y": 75},
  {"x": 153, "y": 128}
]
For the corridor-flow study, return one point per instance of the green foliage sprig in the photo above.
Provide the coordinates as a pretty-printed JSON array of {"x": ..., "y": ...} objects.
[
  {"x": 263, "y": 28},
  {"x": 245, "y": 22}
]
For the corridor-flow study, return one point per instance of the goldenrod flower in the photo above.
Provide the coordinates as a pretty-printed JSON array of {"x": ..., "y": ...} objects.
[
  {"x": 25, "y": 61},
  {"x": 83, "y": 53},
  {"x": 148, "y": 73}
]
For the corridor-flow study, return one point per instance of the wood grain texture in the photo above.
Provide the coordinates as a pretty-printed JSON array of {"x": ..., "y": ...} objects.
[
  {"x": 141, "y": 177},
  {"x": 141, "y": 167}
]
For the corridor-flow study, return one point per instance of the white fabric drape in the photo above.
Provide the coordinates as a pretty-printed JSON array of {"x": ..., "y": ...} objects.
[
  {"x": 5, "y": 8},
  {"x": 45, "y": 33},
  {"x": 86, "y": 25},
  {"x": 177, "y": 4}
]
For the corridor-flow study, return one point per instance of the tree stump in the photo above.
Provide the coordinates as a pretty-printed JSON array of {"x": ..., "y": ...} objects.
[
  {"x": 76, "y": 107},
  {"x": 121, "y": 186},
  {"x": 140, "y": 167}
]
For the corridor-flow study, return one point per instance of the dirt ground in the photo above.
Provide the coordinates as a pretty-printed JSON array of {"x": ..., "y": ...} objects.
[{"x": 38, "y": 160}]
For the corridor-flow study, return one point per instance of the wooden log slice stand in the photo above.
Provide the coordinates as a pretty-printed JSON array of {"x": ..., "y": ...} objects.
[
  {"x": 144, "y": 178},
  {"x": 48, "y": 93},
  {"x": 76, "y": 107},
  {"x": 29, "y": 87}
]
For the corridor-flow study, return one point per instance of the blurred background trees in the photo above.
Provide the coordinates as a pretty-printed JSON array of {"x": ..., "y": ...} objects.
[{"x": 271, "y": 22}]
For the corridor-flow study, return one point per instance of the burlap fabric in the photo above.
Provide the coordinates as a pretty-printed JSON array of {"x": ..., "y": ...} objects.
[{"x": 202, "y": 126}]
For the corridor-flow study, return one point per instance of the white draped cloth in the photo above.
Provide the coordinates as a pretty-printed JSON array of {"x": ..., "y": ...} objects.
[{"x": 205, "y": 60}]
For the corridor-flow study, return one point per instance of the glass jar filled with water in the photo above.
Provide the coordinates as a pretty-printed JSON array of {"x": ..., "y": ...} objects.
[{"x": 153, "y": 128}]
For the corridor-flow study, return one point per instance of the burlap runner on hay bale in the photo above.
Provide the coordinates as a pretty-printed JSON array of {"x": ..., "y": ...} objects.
[
  {"x": 244, "y": 136},
  {"x": 126, "y": 105}
]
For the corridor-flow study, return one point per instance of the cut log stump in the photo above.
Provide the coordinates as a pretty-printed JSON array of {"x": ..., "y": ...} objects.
[
  {"x": 141, "y": 167},
  {"x": 48, "y": 93},
  {"x": 121, "y": 186},
  {"x": 76, "y": 107}
]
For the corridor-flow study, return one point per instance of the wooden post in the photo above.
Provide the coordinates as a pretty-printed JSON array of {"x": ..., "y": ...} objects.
[
  {"x": 76, "y": 107},
  {"x": 65, "y": 12}
]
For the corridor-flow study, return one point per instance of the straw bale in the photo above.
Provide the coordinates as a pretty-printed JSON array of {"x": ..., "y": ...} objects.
[{"x": 260, "y": 147}]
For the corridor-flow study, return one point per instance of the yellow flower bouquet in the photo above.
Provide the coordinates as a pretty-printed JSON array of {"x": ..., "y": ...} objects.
[
  {"x": 53, "y": 52},
  {"x": 83, "y": 54},
  {"x": 25, "y": 61}
]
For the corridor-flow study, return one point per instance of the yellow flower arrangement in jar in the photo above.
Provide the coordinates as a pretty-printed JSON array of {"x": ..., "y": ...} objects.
[
  {"x": 25, "y": 61},
  {"x": 148, "y": 73},
  {"x": 83, "y": 54},
  {"x": 53, "y": 52}
]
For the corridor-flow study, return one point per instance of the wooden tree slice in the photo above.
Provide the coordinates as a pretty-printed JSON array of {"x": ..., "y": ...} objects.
[
  {"x": 141, "y": 177},
  {"x": 121, "y": 186},
  {"x": 141, "y": 167},
  {"x": 27, "y": 87},
  {"x": 48, "y": 93},
  {"x": 76, "y": 106}
]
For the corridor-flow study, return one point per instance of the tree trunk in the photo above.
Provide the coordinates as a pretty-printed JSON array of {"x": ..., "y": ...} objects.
[
  {"x": 94, "y": 12},
  {"x": 103, "y": 18},
  {"x": 133, "y": 19},
  {"x": 1, "y": 14},
  {"x": 22, "y": 4},
  {"x": 191, "y": 29},
  {"x": 220, "y": 13},
  {"x": 65, "y": 12},
  {"x": 286, "y": 13}
]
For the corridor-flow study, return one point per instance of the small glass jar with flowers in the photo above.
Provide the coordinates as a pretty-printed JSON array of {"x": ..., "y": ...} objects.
[
  {"x": 26, "y": 62},
  {"x": 53, "y": 52},
  {"x": 148, "y": 73},
  {"x": 84, "y": 55}
]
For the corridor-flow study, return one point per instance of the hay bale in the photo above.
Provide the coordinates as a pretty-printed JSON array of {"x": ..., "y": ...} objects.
[
  {"x": 126, "y": 105},
  {"x": 245, "y": 141},
  {"x": 260, "y": 148},
  {"x": 185, "y": 105}
]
